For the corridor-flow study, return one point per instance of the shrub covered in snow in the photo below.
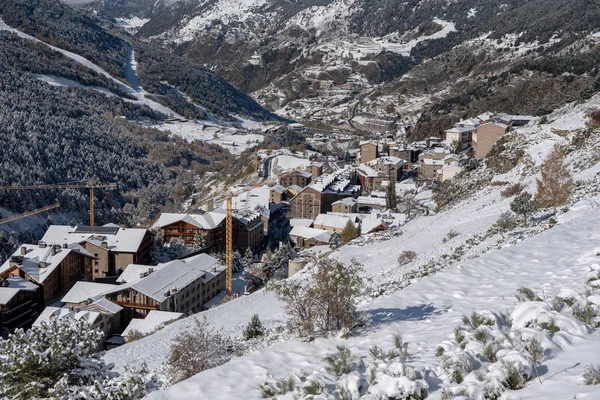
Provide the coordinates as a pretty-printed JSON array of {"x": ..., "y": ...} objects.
[
  {"x": 196, "y": 350},
  {"x": 386, "y": 376},
  {"x": 61, "y": 359},
  {"x": 254, "y": 328}
]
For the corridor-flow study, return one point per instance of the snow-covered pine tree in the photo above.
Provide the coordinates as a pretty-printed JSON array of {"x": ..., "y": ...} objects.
[
  {"x": 248, "y": 258},
  {"x": 157, "y": 252},
  {"x": 335, "y": 241},
  {"x": 60, "y": 359},
  {"x": 523, "y": 205},
  {"x": 199, "y": 242},
  {"x": 254, "y": 328}
]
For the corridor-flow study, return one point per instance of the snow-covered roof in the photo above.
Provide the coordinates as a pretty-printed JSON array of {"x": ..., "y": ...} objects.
[
  {"x": 460, "y": 129},
  {"x": 431, "y": 161},
  {"x": 371, "y": 201},
  {"x": 65, "y": 312},
  {"x": 368, "y": 170},
  {"x": 125, "y": 240},
  {"x": 15, "y": 285},
  {"x": 278, "y": 188},
  {"x": 368, "y": 224},
  {"x": 177, "y": 274},
  {"x": 135, "y": 272},
  {"x": 391, "y": 160},
  {"x": 317, "y": 164},
  {"x": 307, "y": 222},
  {"x": 83, "y": 291},
  {"x": 311, "y": 233},
  {"x": 349, "y": 201},
  {"x": 153, "y": 321},
  {"x": 106, "y": 305},
  {"x": 333, "y": 221},
  {"x": 39, "y": 262},
  {"x": 499, "y": 124},
  {"x": 206, "y": 221}
]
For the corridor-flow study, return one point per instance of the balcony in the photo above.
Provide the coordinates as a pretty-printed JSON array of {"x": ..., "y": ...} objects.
[{"x": 137, "y": 305}]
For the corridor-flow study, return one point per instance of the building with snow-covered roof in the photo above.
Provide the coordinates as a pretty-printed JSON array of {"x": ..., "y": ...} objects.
[
  {"x": 178, "y": 286},
  {"x": 318, "y": 197},
  {"x": 300, "y": 178},
  {"x": 486, "y": 137},
  {"x": 332, "y": 223},
  {"x": 460, "y": 135},
  {"x": 112, "y": 246},
  {"x": 315, "y": 169},
  {"x": 309, "y": 237},
  {"x": 19, "y": 303},
  {"x": 277, "y": 194},
  {"x": 54, "y": 268},
  {"x": 347, "y": 205},
  {"x": 371, "y": 203},
  {"x": 210, "y": 226}
]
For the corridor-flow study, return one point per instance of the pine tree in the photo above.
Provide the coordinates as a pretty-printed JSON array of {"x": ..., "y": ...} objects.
[
  {"x": 254, "y": 328},
  {"x": 60, "y": 359},
  {"x": 158, "y": 249},
  {"x": 556, "y": 185},
  {"x": 248, "y": 258},
  {"x": 349, "y": 233},
  {"x": 505, "y": 223},
  {"x": 523, "y": 205},
  {"x": 335, "y": 241},
  {"x": 391, "y": 201},
  {"x": 199, "y": 242}
]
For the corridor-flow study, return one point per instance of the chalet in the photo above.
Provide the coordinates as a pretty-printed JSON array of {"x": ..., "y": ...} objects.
[
  {"x": 347, "y": 205},
  {"x": 210, "y": 226},
  {"x": 182, "y": 286},
  {"x": 299, "y": 178},
  {"x": 371, "y": 203},
  {"x": 20, "y": 304},
  {"x": 112, "y": 247},
  {"x": 486, "y": 137},
  {"x": 54, "y": 268},
  {"x": 309, "y": 237},
  {"x": 96, "y": 317}
]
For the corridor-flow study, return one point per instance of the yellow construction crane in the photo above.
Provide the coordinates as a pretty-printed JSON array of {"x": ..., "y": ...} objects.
[
  {"x": 29, "y": 213},
  {"x": 91, "y": 186},
  {"x": 229, "y": 241}
]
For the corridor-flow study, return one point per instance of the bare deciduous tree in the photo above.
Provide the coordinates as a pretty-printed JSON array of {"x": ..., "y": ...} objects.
[{"x": 556, "y": 185}]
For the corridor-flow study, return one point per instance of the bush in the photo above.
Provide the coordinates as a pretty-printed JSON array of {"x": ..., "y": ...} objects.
[
  {"x": 195, "y": 350},
  {"x": 594, "y": 120},
  {"x": 526, "y": 294},
  {"x": 505, "y": 222},
  {"x": 523, "y": 205},
  {"x": 591, "y": 375},
  {"x": 512, "y": 190},
  {"x": 254, "y": 328},
  {"x": 452, "y": 234},
  {"x": 340, "y": 363},
  {"x": 328, "y": 304},
  {"x": 406, "y": 257}
]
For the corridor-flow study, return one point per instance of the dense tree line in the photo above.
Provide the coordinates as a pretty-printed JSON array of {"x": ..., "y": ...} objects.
[
  {"x": 54, "y": 135},
  {"x": 28, "y": 56}
]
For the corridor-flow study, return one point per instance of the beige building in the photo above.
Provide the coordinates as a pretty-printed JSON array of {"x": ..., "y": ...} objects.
[
  {"x": 486, "y": 137},
  {"x": 462, "y": 135},
  {"x": 315, "y": 169},
  {"x": 277, "y": 194},
  {"x": 298, "y": 178},
  {"x": 347, "y": 205},
  {"x": 113, "y": 247},
  {"x": 368, "y": 152}
]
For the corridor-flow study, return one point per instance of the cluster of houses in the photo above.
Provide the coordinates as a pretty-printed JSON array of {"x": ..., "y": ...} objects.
[{"x": 103, "y": 274}]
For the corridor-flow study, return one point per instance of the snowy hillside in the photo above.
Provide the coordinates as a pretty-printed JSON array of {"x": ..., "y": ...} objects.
[{"x": 472, "y": 270}]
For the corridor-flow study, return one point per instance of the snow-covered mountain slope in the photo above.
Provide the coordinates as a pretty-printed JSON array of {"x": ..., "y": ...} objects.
[
  {"x": 320, "y": 59},
  {"x": 451, "y": 276},
  {"x": 426, "y": 313}
]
